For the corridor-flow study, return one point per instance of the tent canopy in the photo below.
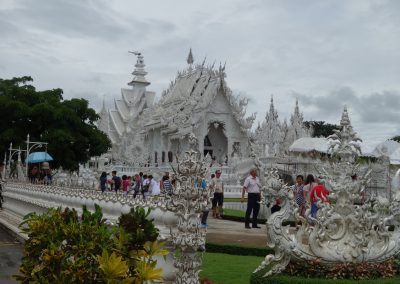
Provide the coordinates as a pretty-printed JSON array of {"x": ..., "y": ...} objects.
[{"x": 38, "y": 157}]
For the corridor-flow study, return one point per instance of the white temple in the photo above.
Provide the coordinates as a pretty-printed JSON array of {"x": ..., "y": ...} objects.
[{"x": 198, "y": 100}]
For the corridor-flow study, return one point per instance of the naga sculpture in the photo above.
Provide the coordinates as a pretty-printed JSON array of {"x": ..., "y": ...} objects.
[{"x": 350, "y": 228}]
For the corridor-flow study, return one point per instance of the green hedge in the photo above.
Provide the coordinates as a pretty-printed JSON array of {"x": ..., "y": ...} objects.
[
  {"x": 238, "y": 250},
  {"x": 256, "y": 278}
]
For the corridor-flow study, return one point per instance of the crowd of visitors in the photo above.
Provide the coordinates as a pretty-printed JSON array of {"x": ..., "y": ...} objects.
[
  {"x": 145, "y": 185},
  {"x": 138, "y": 184},
  {"x": 307, "y": 192}
]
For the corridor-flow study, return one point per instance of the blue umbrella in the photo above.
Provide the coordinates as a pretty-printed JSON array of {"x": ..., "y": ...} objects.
[{"x": 38, "y": 157}]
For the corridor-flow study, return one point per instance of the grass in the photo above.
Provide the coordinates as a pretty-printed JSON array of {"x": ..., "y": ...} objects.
[
  {"x": 229, "y": 269},
  {"x": 285, "y": 279},
  {"x": 234, "y": 212},
  {"x": 233, "y": 269},
  {"x": 232, "y": 200}
]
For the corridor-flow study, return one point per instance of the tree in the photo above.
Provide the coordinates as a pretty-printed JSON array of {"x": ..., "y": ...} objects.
[
  {"x": 321, "y": 128},
  {"x": 67, "y": 125},
  {"x": 395, "y": 138}
]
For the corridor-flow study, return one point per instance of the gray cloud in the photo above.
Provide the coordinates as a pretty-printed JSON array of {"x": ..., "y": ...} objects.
[
  {"x": 381, "y": 107},
  {"x": 286, "y": 48},
  {"x": 67, "y": 18},
  {"x": 375, "y": 108}
]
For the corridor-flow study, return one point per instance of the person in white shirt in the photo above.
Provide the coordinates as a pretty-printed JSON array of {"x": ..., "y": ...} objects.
[
  {"x": 217, "y": 186},
  {"x": 154, "y": 187},
  {"x": 252, "y": 186}
]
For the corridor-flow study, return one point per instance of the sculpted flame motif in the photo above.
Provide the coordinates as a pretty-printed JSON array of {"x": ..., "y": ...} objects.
[{"x": 346, "y": 229}]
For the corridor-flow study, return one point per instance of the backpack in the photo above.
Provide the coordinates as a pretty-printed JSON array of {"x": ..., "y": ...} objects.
[{"x": 145, "y": 187}]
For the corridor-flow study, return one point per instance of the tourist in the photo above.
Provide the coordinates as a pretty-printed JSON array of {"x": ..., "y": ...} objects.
[
  {"x": 166, "y": 185},
  {"x": 217, "y": 186},
  {"x": 34, "y": 174},
  {"x": 116, "y": 181},
  {"x": 137, "y": 186},
  {"x": 125, "y": 184},
  {"x": 308, "y": 186},
  {"x": 48, "y": 178},
  {"x": 103, "y": 181},
  {"x": 252, "y": 186},
  {"x": 145, "y": 186},
  {"x": 298, "y": 190},
  {"x": 154, "y": 188},
  {"x": 318, "y": 193},
  {"x": 166, "y": 175},
  {"x": 214, "y": 162},
  {"x": 204, "y": 213}
]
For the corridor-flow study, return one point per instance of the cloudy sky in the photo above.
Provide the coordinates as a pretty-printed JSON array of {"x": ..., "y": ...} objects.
[{"x": 325, "y": 53}]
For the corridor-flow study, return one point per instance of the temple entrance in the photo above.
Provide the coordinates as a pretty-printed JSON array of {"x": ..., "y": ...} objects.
[{"x": 216, "y": 143}]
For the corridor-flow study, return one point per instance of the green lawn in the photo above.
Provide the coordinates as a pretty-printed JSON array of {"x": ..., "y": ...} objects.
[
  {"x": 233, "y": 269},
  {"x": 234, "y": 212},
  {"x": 232, "y": 200},
  {"x": 229, "y": 269}
]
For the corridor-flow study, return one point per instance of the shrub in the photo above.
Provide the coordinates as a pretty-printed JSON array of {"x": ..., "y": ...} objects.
[
  {"x": 356, "y": 271},
  {"x": 65, "y": 248}
]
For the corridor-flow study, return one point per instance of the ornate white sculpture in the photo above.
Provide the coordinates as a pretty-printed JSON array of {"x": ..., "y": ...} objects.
[
  {"x": 344, "y": 142},
  {"x": 346, "y": 229},
  {"x": 187, "y": 202},
  {"x": 275, "y": 137}
]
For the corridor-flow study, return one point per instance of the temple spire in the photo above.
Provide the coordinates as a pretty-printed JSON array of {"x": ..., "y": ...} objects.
[
  {"x": 139, "y": 71},
  {"x": 271, "y": 105},
  {"x": 296, "y": 108},
  {"x": 190, "y": 59},
  {"x": 345, "y": 121}
]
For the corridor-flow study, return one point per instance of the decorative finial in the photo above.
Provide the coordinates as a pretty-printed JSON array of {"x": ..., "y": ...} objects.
[
  {"x": 271, "y": 107},
  {"x": 139, "y": 71},
  {"x": 345, "y": 118},
  {"x": 296, "y": 108},
  {"x": 190, "y": 59}
]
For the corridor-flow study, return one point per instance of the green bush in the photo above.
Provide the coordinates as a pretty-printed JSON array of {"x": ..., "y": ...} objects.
[
  {"x": 66, "y": 248},
  {"x": 257, "y": 278},
  {"x": 313, "y": 272}
]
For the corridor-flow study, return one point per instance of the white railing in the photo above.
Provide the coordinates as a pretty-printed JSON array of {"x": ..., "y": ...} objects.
[{"x": 24, "y": 198}]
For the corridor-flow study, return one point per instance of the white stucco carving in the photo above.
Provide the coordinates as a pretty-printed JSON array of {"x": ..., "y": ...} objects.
[
  {"x": 274, "y": 137},
  {"x": 346, "y": 229}
]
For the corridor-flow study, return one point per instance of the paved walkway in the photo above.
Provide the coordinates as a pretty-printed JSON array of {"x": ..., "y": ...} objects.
[
  {"x": 234, "y": 233},
  {"x": 10, "y": 256}
]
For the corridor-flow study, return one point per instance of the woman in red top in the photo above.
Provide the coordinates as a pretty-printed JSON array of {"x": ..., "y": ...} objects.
[{"x": 319, "y": 192}]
